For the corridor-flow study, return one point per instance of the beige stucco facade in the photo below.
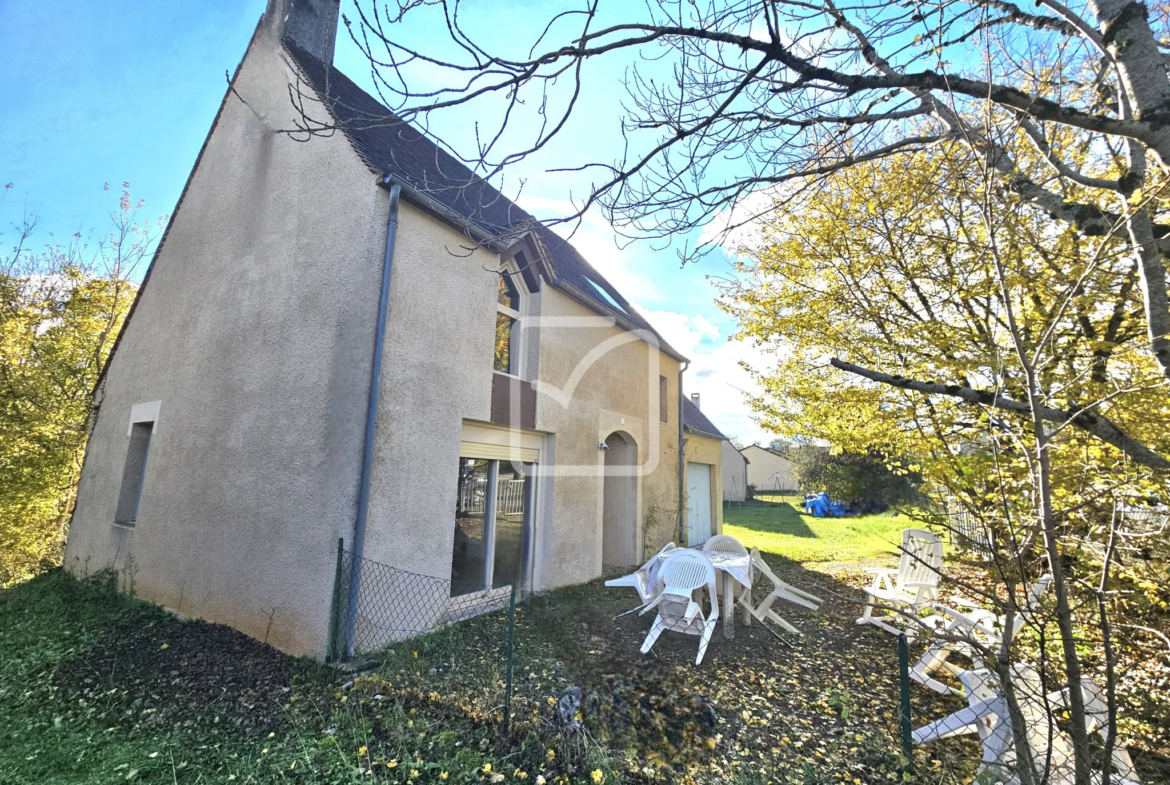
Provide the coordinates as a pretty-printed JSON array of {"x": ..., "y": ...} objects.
[
  {"x": 704, "y": 449},
  {"x": 253, "y": 333},
  {"x": 249, "y": 351},
  {"x": 734, "y": 473},
  {"x": 596, "y": 379},
  {"x": 768, "y": 471}
]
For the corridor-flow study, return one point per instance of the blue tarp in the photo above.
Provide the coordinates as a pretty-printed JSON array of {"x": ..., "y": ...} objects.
[{"x": 819, "y": 506}]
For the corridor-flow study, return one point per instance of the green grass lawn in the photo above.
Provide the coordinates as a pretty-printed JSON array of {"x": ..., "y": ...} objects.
[
  {"x": 96, "y": 687},
  {"x": 775, "y": 524}
]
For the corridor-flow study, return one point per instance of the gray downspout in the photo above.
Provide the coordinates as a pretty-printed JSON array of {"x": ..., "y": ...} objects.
[
  {"x": 363, "y": 504},
  {"x": 682, "y": 482}
]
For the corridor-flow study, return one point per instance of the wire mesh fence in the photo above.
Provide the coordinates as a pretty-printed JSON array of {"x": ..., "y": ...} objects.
[
  {"x": 967, "y": 532},
  {"x": 376, "y": 605},
  {"x": 580, "y": 676}
]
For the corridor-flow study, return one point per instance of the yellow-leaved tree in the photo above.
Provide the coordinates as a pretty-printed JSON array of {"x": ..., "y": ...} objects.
[
  {"x": 917, "y": 309},
  {"x": 61, "y": 308}
]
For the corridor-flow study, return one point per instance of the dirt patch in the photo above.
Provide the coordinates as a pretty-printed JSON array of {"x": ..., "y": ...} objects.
[{"x": 169, "y": 672}]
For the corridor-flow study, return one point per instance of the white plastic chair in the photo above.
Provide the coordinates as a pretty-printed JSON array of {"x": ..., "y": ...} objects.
[
  {"x": 987, "y": 714},
  {"x": 780, "y": 591},
  {"x": 724, "y": 543},
  {"x": 682, "y": 574},
  {"x": 912, "y": 585},
  {"x": 644, "y": 579},
  {"x": 1097, "y": 721},
  {"x": 971, "y": 634}
]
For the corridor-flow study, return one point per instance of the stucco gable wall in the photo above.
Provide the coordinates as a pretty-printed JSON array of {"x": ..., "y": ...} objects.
[
  {"x": 614, "y": 381},
  {"x": 255, "y": 332},
  {"x": 734, "y": 472},
  {"x": 439, "y": 350},
  {"x": 766, "y": 470}
]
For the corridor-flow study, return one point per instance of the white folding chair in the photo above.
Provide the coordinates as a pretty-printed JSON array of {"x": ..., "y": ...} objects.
[
  {"x": 970, "y": 634},
  {"x": 643, "y": 580},
  {"x": 911, "y": 586},
  {"x": 682, "y": 574}
]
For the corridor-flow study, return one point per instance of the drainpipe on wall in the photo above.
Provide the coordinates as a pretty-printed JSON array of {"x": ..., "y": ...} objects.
[
  {"x": 682, "y": 461},
  {"x": 363, "y": 505}
]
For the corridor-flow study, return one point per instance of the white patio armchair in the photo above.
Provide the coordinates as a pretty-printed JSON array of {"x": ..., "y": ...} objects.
[
  {"x": 684, "y": 573},
  {"x": 644, "y": 579},
  {"x": 1051, "y": 751},
  {"x": 971, "y": 634},
  {"x": 913, "y": 585}
]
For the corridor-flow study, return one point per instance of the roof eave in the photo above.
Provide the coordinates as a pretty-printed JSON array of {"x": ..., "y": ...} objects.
[
  {"x": 701, "y": 432},
  {"x": 474, "y": 231}
]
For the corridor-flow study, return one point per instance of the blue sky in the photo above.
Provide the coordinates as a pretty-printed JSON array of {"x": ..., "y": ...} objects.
[{"x": 110, "y": 92}]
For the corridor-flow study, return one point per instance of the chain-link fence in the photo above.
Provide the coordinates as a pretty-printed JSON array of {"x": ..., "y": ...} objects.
[{"x": 387, "y": 605}]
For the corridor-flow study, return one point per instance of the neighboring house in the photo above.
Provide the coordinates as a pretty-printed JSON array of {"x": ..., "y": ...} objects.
[
  {"x": 768, "y": 470},
  {"x": 323, "y": 350},
  {"x": 735, "y": 480},
  {"x": 703, "y": 452}
]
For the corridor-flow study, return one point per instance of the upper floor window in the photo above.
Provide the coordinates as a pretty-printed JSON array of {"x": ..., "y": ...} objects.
[{"x": 508, "y": 314}]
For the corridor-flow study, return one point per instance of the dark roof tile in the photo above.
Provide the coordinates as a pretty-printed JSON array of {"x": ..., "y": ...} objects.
[
  {"x": 695, "y": 420},
  {"x": 390, "y": 146}
]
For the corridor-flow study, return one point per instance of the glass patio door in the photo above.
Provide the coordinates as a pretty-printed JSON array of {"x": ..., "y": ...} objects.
[{"x": 493, "y": 514}]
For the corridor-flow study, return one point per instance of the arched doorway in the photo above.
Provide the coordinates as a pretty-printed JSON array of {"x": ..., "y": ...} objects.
[{"x": 619, "y": 517}]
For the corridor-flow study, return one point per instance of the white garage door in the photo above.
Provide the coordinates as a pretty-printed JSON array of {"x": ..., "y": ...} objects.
[{"x": 698, "y": 503}]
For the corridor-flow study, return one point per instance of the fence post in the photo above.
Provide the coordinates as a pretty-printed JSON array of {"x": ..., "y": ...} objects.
[
  {"x": 508, "y": 682},
  {"x": 904, "y": 695},
  {"x": 335, "y": 611}
]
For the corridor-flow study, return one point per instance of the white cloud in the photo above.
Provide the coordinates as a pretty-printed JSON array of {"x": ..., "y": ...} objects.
[{"x": 715, "y": 371}]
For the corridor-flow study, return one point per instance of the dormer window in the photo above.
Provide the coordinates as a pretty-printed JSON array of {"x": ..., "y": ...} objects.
[{"x": 508, "y": 330}]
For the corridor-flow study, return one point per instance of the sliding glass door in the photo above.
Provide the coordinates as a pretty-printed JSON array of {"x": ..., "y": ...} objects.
[{"x": 493, "y": 524}]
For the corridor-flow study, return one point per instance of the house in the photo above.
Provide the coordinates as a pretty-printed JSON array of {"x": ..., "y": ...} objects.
[
  {"x": 768, "y": 470},
  {"x": 735, "y": 466},
  {"x": 354, "y": 367},
  {"x": 703, "y": 451}
]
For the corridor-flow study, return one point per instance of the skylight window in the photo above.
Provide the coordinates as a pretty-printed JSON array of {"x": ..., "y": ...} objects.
[{"x": 605, "y": 295}]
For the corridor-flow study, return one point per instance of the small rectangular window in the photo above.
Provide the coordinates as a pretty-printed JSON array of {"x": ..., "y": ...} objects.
[
  {"x": 133, "y": 473},
  {"x": 663, "y": 408}
]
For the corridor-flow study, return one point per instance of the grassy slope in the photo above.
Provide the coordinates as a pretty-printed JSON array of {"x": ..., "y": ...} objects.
[
  {"x": 776, "y": 525},
  {"x": 96, "y": 687}
]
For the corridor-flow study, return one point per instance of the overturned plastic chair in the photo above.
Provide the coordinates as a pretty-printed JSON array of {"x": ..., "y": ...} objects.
[
  {"x": 913, "y": 585},
  {"x": 682, "y": 574},
  {"x": 762, "y": 612},
  {"x": 987, "y": 714},
  {"x": 971, "y": 633},
  {"x": 643, "y": 580}
]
